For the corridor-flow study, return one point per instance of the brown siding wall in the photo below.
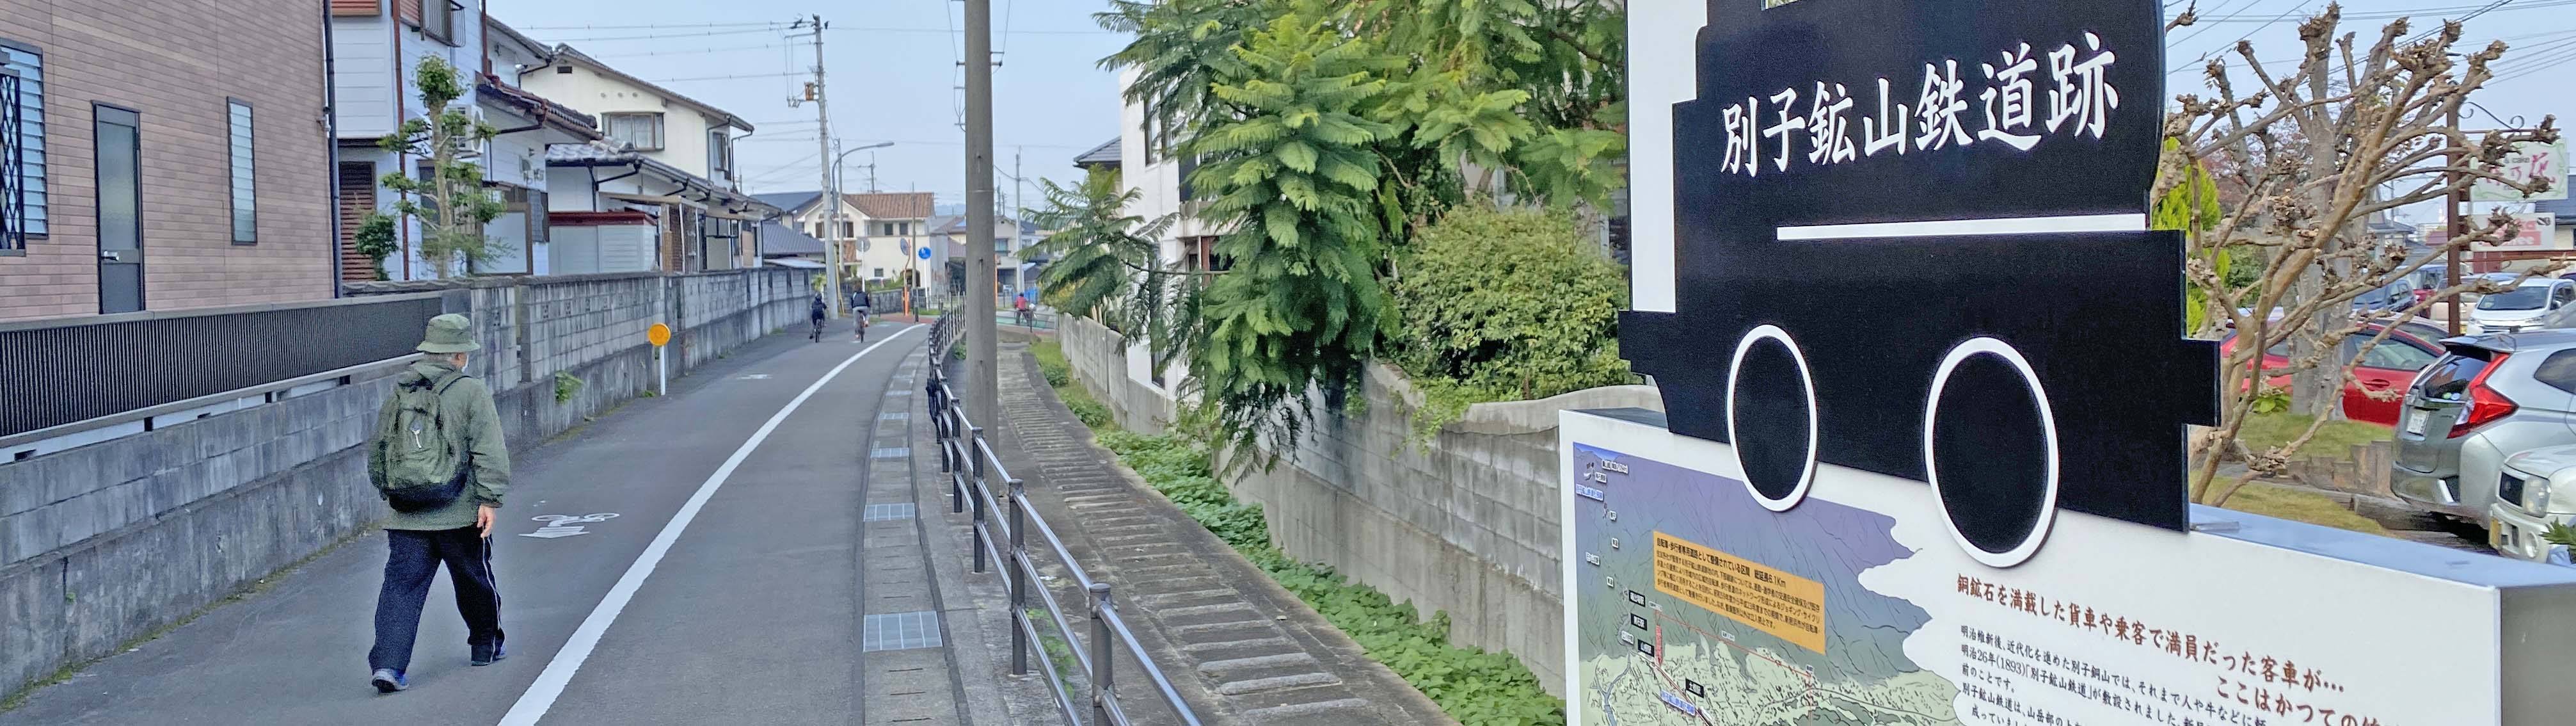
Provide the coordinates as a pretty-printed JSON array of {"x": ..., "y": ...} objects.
[
  {"x": 177, "y": 61},
  {"x": 358, "y": 8}
]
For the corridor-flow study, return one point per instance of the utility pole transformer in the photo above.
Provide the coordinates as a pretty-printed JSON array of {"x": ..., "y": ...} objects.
[{"x": 983, "y": 382}]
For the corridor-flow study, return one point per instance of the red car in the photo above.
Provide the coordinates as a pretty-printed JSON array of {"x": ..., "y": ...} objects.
[{"x": 2389, "y": 366}]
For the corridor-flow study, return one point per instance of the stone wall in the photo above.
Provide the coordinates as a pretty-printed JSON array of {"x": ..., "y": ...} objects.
[
  {"x": 107, "y": 542},
  {"x": 1463, "y": 523}
]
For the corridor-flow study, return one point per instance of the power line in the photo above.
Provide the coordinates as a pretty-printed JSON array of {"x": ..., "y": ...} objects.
[
  {"x": 696, "y": 51},
  {"x": 722, "y": 78},
  {"x": 648, "y": 26},
  {"x": 658, "y": 36}
]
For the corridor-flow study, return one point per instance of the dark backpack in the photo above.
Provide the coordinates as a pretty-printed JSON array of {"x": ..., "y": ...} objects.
[{"x": 423, "y": 469}]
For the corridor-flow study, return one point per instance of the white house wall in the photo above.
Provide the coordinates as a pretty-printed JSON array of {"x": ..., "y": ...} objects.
[
  {"x": 363, "y": 78},
  {"x": 684, "y": 129},
  {"x": 516, "y": 159}
]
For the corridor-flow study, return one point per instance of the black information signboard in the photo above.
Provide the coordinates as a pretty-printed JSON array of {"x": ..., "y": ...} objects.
[{"x": 1909, "y": 239}]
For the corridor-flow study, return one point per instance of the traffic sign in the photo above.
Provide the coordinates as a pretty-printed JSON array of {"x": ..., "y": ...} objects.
[
  {"x": 924, "y": 253},
  {"x": 659, "y": 335}
]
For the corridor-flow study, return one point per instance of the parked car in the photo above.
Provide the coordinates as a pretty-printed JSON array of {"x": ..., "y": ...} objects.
[
  {"x": 2388, "y": 365},
  {"x": 2391, "y": 297},
  {"x": 2488, "y": 397},
  {"x": 2522, "y": 307},
  {"x": 2537, "y": 489}
]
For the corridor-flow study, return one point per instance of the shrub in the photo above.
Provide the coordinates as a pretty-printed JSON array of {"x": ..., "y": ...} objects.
[{"x": 1506, "y": 304}]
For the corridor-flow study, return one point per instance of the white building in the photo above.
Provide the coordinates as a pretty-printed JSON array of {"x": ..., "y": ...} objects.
[{"x": 664, "y": 156}]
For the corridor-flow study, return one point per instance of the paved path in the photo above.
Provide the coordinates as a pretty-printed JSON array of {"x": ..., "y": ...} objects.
[
  {"x": 752, "y": 565},
  {"x": 1241, "y": 649}
]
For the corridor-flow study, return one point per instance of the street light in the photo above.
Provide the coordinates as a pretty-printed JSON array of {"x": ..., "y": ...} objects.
[{"x": 833, "y": 223}]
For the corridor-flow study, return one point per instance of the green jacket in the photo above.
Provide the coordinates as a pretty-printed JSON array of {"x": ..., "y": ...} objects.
[{"x": 474, "y": 426}]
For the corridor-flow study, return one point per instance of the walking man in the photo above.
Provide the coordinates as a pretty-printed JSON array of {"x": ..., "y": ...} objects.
[{"x": 439, "y": 462}]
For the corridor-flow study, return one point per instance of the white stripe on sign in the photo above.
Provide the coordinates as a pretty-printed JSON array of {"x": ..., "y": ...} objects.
[
  {"x": 549, "y": 685},
  {"x": 1963, "y": 227}
]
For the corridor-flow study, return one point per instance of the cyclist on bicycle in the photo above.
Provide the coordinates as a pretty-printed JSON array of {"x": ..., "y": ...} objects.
[
  {"x": 818, "y": 312},
  {"x": 859, "y": 310}
]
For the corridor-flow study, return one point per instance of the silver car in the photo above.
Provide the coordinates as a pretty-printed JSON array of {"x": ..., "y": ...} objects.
[
  {"x": 2537, "y": 489},
  {"x": 2489, "y": 397}
]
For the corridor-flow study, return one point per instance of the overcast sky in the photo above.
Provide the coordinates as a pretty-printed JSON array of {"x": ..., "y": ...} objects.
[
  {"x": 893, "y": 70},
  {"x": 893, "y": 73}
]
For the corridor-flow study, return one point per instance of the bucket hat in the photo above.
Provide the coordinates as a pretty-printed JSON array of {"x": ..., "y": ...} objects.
[{"x": 450, "y": 333}]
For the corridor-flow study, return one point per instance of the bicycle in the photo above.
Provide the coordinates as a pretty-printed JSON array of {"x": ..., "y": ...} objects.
[{"x": 818, "y": 330}]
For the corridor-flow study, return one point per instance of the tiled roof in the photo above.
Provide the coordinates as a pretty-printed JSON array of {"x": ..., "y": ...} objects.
[
  {"x": 1103, "y": 154},
  {"x": 790, "y": 201},
  {"x": 780, "y": 239},
  {"x": 559, "y": 115},
  {"x": 892, "y": 205}
]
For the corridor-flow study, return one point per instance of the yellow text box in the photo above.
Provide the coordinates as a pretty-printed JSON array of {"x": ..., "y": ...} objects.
[{"x": 1787, "y": 606}]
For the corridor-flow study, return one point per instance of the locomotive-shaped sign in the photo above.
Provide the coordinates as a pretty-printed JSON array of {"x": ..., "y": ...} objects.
[{"x": 1910, "y": 238}]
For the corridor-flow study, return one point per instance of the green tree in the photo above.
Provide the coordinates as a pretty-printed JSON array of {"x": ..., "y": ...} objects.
[
  {"x": 1293, "y": 172},
  {"x": 1107, "y": 263},
  {"x": 451, "y": 206}
]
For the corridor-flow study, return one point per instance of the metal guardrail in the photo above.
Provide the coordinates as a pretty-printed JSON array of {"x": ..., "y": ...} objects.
[{"x": 971, "y": 467}]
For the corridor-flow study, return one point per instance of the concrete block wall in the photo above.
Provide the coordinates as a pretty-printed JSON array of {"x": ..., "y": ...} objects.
[
  {"x": 107, "y": 542},
  {"x": 1463, "y": 523}
]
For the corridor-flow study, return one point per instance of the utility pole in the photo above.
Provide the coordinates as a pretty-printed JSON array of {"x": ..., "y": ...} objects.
[
  {"x": 831, "y": 186},
  {"x": 2451, "y": 221},
  {"x": 983, "y": 381}
]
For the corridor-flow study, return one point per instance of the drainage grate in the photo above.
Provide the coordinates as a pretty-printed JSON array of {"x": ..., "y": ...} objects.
[
  {"x": 883, "y": 512},
  {"x": 895, "y": 416},
  {"x": 901, "y": 631},
  {"x": 899, "y": 392},
  {"x": 897, "y": 452}
]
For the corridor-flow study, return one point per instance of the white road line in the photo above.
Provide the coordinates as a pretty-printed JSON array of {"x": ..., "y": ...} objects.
[{"x": 550, "y": 684}]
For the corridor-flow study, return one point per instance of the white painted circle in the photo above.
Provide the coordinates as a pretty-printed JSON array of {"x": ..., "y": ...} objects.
[
  {"x": 1807, "y": 383},
  {"x": 2047, "y": 425}
]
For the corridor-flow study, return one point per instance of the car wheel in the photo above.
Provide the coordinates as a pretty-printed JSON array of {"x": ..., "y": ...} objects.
[
  {"x": 1771, "y": 422},
  {"x": 1990, "y": 451}
]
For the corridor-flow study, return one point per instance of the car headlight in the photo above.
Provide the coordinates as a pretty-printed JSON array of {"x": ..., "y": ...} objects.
[{"x": 2535, "y": 494}]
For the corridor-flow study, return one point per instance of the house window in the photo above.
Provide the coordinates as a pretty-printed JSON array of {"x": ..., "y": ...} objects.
[
  {"x": 1151, "y": 142},
  {"x": 719, "y": 155},
  {"x": 438, "y": 20},
  {"x": 245, "y": 179},
  {"x": 643, "y": 131},
  {"x": 22, "y": 146},
  {"x": 849, "y": 229},
  {"x": 880, "y": 273}
]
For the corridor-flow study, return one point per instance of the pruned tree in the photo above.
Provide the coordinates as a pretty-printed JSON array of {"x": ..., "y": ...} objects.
[
  {"x": 2316, "y": 150},
  {"x": 451, "y": 205}
]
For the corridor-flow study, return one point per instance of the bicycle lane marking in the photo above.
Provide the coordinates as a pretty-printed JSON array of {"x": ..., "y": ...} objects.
[{"x": 540, "y": 696}]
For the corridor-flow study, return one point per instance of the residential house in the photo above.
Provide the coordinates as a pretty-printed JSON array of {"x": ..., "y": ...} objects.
[
  {"x": 665, "y": 155},
  {"x": 1011, "y": 273},
  {"x": 1146, "y": 164},
  {"x": 881, "y": 233},
  {"x": 787, "y": 240},
  {"x": 146, "y": 174}
]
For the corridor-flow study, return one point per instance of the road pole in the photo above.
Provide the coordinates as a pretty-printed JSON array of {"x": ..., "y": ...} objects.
[
  {"x": 2452, "y": 223},
  {"x": 983, "y": 380},
  {"x": 831, "y": 185}
]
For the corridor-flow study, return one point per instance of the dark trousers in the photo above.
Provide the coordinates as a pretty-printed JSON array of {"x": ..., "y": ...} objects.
[{"x": 410, "y": 566}]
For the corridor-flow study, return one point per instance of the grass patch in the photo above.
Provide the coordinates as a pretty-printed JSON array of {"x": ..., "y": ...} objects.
[
  {"x": 1059, "y": 376},
  {"x": 2297, "y": 506},
  {"x": 2264, "y": 431},
  {"x": 1472, "y": 685}
]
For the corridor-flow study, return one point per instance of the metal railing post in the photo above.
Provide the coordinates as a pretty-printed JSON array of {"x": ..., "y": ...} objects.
[
  {"x": 1100, "y": 652},
  {"x": 974, "y": 464},
  {"x": 1019, "y": 581},
  {"x": 976, "y": 451}
]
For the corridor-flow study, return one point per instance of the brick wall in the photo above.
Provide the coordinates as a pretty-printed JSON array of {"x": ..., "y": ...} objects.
[{"x": 176, "y": 62}]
